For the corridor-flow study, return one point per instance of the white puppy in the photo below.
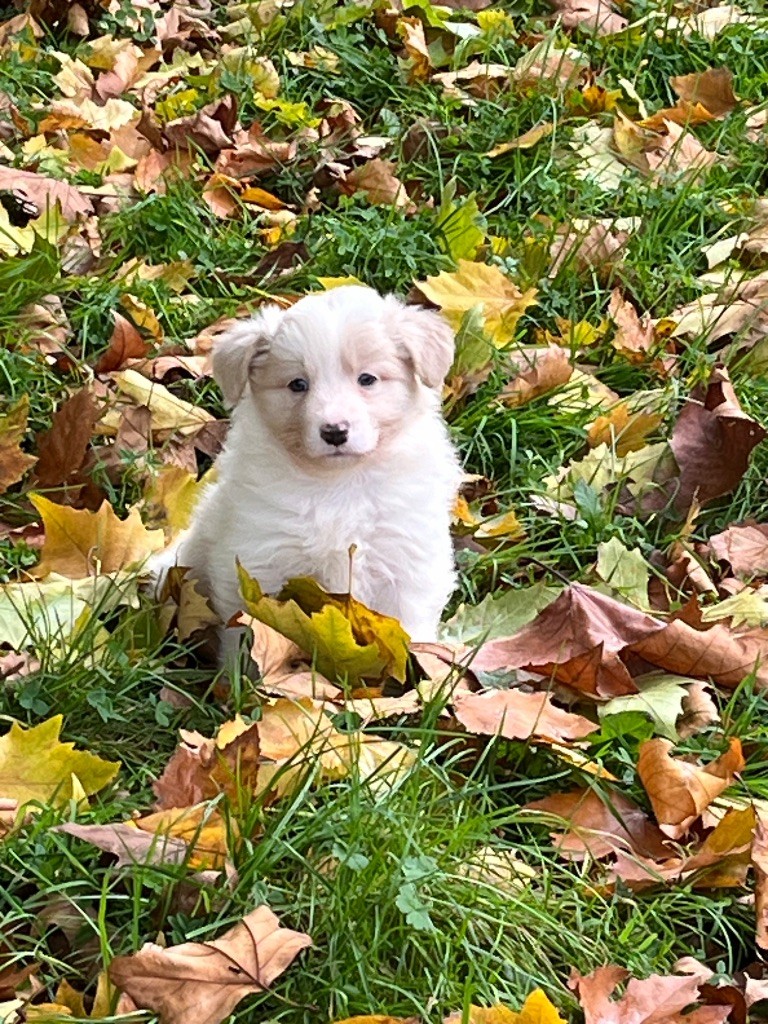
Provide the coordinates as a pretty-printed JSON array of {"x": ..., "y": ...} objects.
[{"x": 336, "y": 440}]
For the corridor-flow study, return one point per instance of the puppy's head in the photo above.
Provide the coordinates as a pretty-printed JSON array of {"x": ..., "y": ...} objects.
[{"x": 338, "y": 375}]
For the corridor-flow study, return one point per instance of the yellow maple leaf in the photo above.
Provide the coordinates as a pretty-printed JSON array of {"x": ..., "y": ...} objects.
[
  {"x": 536, "y": 1009},
  {"x": 474, "y": 284},
  {"x": 168, "y": 411},
  {"x": 629, "y": 431},
  {"x": 344, "y": 638},
  {"x": 172, "y": 496},
  {"x": 202, "y": 828},
  {"x": 13, "y": 461},
  {"x": 36, "y": 765},
  {"x": 80, "y": 543},
  {"x": 337, "y": 282}
]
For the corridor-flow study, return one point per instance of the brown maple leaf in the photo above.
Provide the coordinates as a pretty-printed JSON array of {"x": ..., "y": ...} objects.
[
  {"x": 201, "y": 768},
  {"x": 518, "y": 716},
  {"x": 679, "y": 791},
  {"x": 62, "y": 449},
  {"x": 126, "y": 343},
  {"x": 712, "y": 442},
  {"x": 657, "y": 999},
  {"x": 202, "y": 982},
  {"x": 577, "y": 640},
  {"x": 547, "y": 368},
  {"x": 45, "y": 193},
  {"x": 744, "y": 547},
  {"x": 602, "y": 824}
]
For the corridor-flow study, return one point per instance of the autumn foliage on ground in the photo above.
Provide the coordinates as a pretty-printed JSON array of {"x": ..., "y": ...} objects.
[{"x": 558, "y": 812}]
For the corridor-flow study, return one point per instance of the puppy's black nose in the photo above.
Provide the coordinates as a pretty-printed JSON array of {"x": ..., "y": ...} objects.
[{"x": 334, "y": 433}]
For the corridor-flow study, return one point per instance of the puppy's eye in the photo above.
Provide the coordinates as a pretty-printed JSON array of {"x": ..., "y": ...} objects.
[
  {"x": 297, "y": 385},
  {"x": 366, "y": 380}
]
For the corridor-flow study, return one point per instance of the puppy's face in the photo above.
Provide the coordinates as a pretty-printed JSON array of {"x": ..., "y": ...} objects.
[{"x": 339, "y": 375}]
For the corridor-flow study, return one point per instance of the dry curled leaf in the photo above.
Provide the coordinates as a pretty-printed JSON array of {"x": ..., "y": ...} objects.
[
  {"x": 547, "y": 369},
  {"x": 126, "y": 343},
  {"x": 634, "y": 337},
  {"x": 679, "y": 791},
  {"x": 202, "y": 982}
]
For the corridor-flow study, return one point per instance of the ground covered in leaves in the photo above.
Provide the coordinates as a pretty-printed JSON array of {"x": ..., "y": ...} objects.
[{"x": 560, "y": 811}]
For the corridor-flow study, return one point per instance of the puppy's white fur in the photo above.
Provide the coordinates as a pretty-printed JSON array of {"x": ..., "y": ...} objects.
[{"x": 287, "y": 503}]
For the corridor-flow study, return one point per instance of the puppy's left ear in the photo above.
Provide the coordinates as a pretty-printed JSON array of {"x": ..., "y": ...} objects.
[{"x": 425, "y": 340}]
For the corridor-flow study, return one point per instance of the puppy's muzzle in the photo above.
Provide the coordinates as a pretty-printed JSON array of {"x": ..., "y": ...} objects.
[{"x": 335, "y": 434}]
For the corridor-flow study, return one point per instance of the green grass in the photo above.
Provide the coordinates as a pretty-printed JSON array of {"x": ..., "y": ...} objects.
[{"x": 378, "y": 876}]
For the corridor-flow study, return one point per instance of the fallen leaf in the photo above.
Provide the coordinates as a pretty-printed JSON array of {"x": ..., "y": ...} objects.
[
  {"x": 726, "y": 657},
  {"x": 537, "y": 1009},
  {"x": 679, "y": 791},
  {"x": 344, "y": 639},
  {"x": 202, "y": 982},
  {"x": 80, "y": 543},
  {"x": 169, "y": 413},
  {"x": 14, "y": 463},
  {"x": 36, "y": 766},
  {"x": 760, "y": 865},
  {"x": 712, "y": 88},
  {"x": 712, "y": 442},
  {"x": 473, "y": 284},
  {"x": 633, "y": 338},
  {"x": 43, "y": 615},
  {"x": 420, "y": 66},
  {"x": 196, "y": 836},
  {"x": 710, "y": 22},
  {"x": 625, "y": 571},
  {"x": 525, "y": 141},
  {"x": 582, "y": 245},
  {"x": 744, "y": 547},
  {"x": 723, "y": 859},
  {"x": 497, "y": 614},
  {"x": 378, "y": 183},
  {"x": 623, "y": 431},
  {"x": 378, "y": 1018},
  {"x": 46, "y": 193},
  {"x": 201, "y": 768},
  {"x": 172, "y": 497},
  {"x": 699, "y": 711},
  {"x": 129, "y": 844},
  {"x": 577, "y": 640},
  {"x": 657, "y": 999},
  {"x": 519, "y": 716},
  {"x": 62, "y": 449},
  {"x": 661, "y": 696},
  {"x": 545, "y": 64},
  {"x": 602, "y": 824},
  {"x": 598, "y": 16},
  {"x": 549, "y": 368},
  {"x": 126, "y": 343}
]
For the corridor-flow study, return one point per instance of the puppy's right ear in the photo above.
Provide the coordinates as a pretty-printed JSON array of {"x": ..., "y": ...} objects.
[{"x": 241, "y": 348}]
